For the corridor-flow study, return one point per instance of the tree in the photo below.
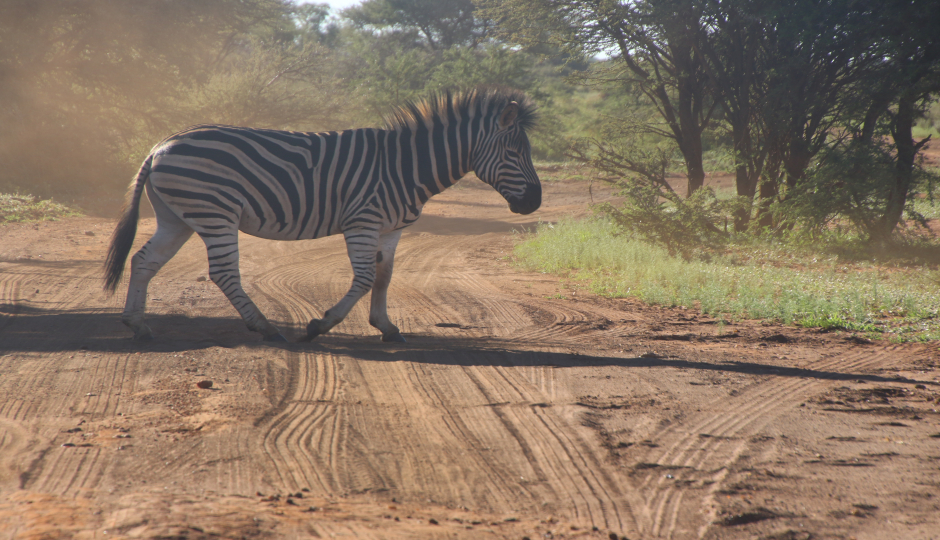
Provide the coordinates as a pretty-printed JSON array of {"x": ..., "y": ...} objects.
[
  {"x": 435, "y": 24},
  {"x": 401, "y": 50},
  {"x": 88, "y": 87},
  {"x": 789, "y": 81},
  {"x": 653, "y": 43}
]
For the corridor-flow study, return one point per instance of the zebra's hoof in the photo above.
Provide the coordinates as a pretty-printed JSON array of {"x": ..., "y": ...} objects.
[
  {"x": 394, "y": 338},
  {"x": 276, "y": 338},
  {"x": 313, "y": 330},
  {"x": 144, "y": 334}
]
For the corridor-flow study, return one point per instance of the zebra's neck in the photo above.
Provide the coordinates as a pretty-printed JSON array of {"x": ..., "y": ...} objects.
[{"x": 428, "y": 160}]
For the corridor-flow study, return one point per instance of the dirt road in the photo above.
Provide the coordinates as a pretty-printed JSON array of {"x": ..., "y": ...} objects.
[{"x": 519, "y": 407}]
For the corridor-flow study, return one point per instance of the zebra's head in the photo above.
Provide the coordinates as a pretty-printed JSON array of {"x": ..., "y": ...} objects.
[{"x": 503, "y": 159}]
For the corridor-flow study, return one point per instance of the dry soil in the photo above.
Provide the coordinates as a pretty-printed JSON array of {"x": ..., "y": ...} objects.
[{"x": 519, "y": 407}]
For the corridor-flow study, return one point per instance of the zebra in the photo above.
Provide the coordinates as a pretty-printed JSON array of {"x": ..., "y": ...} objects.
[{"x": 367, "y": 184}]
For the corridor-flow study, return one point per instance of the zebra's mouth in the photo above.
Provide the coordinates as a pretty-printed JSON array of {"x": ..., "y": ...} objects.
[
  {"x": 528, "y": 203},
  {"x": 523, "y": 209}
]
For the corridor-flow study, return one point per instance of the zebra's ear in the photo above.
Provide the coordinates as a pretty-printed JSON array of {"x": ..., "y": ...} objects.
[{"x": 509, "y": 115}]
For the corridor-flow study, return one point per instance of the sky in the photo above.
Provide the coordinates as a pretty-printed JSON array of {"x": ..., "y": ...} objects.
[{"x": 336, "y": 5}]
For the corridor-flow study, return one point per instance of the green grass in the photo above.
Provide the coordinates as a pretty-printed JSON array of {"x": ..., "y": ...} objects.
[
  {"x": 927, "y": 208},
  {"x": 17, "y": 208},
  {"x": 753, "y": 282}
]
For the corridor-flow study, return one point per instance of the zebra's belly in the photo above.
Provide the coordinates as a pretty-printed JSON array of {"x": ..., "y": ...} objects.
[{"x": 289, "y": 230}]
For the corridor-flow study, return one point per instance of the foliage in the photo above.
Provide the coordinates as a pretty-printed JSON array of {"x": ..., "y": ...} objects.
[
  {"x": 16, "y": 208},
  {"x": 653, "y": 52},
  {"x": 89, "y": 87},
  {"x": 785, "y": 82},
  {"x": 857, "y": 182},
  {"x": 431, "y": 24},
  {"x": 652, "y": 209},
  {"x": 685, "y": 227},
  {"x": 750, "y": 281}
]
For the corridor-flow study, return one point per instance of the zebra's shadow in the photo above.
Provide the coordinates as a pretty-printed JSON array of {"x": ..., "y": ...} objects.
[{"x": 28, "y": 329}]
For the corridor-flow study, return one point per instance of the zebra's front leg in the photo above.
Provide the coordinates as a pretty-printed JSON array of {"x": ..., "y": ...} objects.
[
  {"x": 361, "y": 246},
  {"x": 223, "y": 271},
  {"x": 378, "y": 311}
]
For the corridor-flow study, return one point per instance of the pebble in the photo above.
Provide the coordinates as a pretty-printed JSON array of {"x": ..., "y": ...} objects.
[{"x": 204, "y": 384}]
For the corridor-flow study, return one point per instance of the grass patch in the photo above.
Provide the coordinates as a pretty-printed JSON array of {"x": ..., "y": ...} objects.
[
  {"x": 930, "y": 209},
  {"x": 17, "y": 208},
  {"x": 752, "y": 281}
]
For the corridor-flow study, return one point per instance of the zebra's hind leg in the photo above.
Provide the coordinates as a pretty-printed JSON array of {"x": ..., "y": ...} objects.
[
  {"x": 171, "y": 234},
  {"x": 222, "y": 248},
  {"x": 361, "y": 246},
  {"x": 378, "y": 311}
]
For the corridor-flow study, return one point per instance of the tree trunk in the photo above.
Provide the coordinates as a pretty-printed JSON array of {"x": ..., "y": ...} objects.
[
  {"x": 746, "y": 169},
  {"x": 768, "y": 194},
  {"x": 695, "y": 170},
  {"x": 906, "y": 150}
]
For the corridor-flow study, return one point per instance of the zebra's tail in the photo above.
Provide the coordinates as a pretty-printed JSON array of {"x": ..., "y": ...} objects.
[{"x": 123, "y": 237}]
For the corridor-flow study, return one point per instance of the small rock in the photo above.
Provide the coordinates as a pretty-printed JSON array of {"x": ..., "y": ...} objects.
[
  {"x": 68, "y": 445},
  {"x": 432, "y": 521},
  {"x": 291, "y": 501},
  {"x": 206, "y": 384},
  {"x": 202, "y": 278},
  {"x": 649, "y": 354},
  {"x": 89, "y": 233},
  {"x": 920, "y": 386}
]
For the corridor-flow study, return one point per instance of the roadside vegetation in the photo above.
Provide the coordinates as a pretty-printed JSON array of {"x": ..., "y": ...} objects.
[
  {"x": 758, "y": 279},
  {"x": 18, "y": 208},
  {"x": 820, "y": 112}
]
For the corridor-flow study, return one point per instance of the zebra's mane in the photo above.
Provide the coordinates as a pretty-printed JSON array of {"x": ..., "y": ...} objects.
[{"x": 483, "y": 101}]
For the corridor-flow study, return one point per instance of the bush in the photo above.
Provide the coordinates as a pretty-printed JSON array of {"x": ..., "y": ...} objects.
[{"x": 854, "y": 185}]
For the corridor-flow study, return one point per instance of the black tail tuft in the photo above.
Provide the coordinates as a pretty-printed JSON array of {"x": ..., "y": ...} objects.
[{"x": 123, "y": 237}]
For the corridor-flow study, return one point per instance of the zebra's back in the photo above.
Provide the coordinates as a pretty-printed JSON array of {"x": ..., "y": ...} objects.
[{"x": 274, "y": 184}]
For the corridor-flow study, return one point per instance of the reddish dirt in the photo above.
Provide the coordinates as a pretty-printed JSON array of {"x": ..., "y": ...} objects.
[{"x": 519, "y": 407}]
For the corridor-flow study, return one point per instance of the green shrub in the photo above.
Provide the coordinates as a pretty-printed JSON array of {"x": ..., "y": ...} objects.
[{"x": 16, "y": 207}]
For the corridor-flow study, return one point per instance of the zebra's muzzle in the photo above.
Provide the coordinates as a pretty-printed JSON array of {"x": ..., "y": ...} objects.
[{"x": 528, "y": 203}]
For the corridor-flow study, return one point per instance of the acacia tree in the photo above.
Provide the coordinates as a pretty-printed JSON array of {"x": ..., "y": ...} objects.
[
  {"x": 653, "y": 48},
  {"x": 790, "y": 81},
  {"x": 435, "y": 24},
  {"x": 786, "y": 77}
]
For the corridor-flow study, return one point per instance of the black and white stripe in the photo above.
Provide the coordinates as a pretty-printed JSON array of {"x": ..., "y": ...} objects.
[{"x": 367, "y": 184}]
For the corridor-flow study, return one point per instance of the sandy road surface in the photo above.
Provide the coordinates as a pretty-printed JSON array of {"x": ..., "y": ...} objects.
[{"x": 519, "y": 407}]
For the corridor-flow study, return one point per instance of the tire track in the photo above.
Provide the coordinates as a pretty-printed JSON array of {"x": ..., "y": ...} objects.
[
  {"x": 303, "y": 439},
  {"x": 743, "y": 415},
  {"x": 60, "y": 288},
  {"x": 400, "y": 425}
]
